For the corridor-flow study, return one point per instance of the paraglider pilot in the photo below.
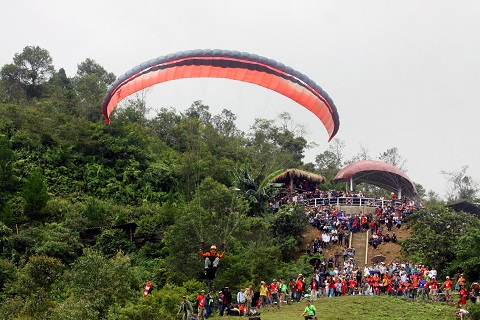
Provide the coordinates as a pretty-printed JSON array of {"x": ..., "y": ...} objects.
[{"x": 212, "y": 258}]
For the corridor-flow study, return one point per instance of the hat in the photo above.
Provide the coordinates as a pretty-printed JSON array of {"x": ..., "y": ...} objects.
[
  {"x": 184, "y": 297},
  {"x": 202, "y": 291},
  {"x": 213, "y": 247},
  {"x": 448, "y": 277},
  {"x": 220, "y": 292}
]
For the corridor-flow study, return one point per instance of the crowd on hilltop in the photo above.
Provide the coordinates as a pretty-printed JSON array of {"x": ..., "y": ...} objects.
[
  {"x": 338, "y": 274},
  {"x": 313, "y": 198},
  {"x": 345, "y": 278},
  {"x": 328, "y": 280}
]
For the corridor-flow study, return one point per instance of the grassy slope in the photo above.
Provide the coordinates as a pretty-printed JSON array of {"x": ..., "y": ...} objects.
[{"x": 360, "y": 307}]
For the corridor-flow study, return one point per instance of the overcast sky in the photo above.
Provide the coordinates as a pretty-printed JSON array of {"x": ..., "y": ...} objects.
[{"x": 402, "y": 74}]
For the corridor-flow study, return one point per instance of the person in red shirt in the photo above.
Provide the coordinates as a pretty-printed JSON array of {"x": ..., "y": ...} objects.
[
  {"x": 352, "y": 284},
  {"x": 447, "y": 288},
  {"x": 242, "y": 308},
  {"x": 344, "y": 287},
  {"x": 376, "y": 287},
  {"x": 313, "y": 287},
  {"x": 406, "y": 289},
  {"x": 463, "y": 296},
  {"x": 300, "y": 285},
  {"x": 331, "y": 287},
  {"x": 274, "y": 288},
  {"x": 201, "y": 301},
  {"x": 433, "y": 285},
  {"x": 390, "y": 288},
  {"x": 414, "y": 291}
]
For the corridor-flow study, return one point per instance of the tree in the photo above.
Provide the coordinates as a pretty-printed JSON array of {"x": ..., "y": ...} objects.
[
  {"x": 463, "y": 187},
  {"x": 31, "y": 286},
  {"x": 136, "y": 108},
  {"x": 6, "y": 171},
  {"x": 362, "y": 155},
  {"x": 35, "y": 196},
  {"x": 112, "y": 241},
  {"x": 327, "y": 164},
  {"x": 90, "y": 83},
  {"x": 199, "y": 111},
  {"x": 421, "y": 193},
  {"x": 57, "y": 241},
  {"x": 100, "y": 282},
  {"x": 256, "y": 189},
  {"x": 427, "y": 198},
  {"x": 165, "y": 126},
  {"x": 336, "y": 147},
  {"x": 91, "y": 67},
  {"x": 62, "y": 94},
  {"x": 293, "y": 146},
  {"x": 287, "y": 123},
  {"x": 225, "y": 123},
  {"x": 212, "y": 215},
  {"x": 288, "y": 226},
  {"x": 434, "y": 198},
  {"x": 276, "y": 146},
  {"x": 10, "y": 87},
  {"x": 5, "y": 232},
  {"x": 29, "y": 71},
  {"x": 457, "y": 233},
  {"x": 392, "y": 157}
]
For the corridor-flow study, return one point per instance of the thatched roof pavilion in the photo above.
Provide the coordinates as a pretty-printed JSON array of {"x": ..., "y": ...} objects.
[{"x": 293, "y": 176}]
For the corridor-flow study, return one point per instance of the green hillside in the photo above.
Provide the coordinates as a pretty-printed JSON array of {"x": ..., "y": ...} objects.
[{"x": 90, "y": 212}]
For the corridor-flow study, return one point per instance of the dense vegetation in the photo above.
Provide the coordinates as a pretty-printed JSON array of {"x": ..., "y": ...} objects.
[{"x": 185, "y": 177}]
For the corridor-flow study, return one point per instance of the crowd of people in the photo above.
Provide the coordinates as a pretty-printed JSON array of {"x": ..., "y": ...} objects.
[
  {"x": 316, "y": 197},
  {"x": 339, "y": 275},
  {"x": 403, "y": 279}
]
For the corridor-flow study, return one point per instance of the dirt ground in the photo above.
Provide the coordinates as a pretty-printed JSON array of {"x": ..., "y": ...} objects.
[{"x": 389, "y": 250}]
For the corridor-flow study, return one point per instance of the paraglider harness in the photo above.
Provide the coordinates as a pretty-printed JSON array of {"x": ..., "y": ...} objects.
[{"x": 211, "y": 260}]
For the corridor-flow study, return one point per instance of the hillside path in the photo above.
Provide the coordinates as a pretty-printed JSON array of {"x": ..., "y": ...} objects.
[{"x": 359, "y": 242}]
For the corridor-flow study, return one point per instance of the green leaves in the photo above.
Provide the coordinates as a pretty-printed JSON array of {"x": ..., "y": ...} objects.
[
  {"x": 257, "y": 190},
  {"x": 444, "y": 239},
  {"x": 101, "y": 281},
  {"x": 288, "y": 225},
  {"x": 30, "y": 70},
  {"x": 35, "y": 195}
]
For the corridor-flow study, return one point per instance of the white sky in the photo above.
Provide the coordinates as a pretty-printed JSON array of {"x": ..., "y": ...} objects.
[{"x": 402, "y": 74}]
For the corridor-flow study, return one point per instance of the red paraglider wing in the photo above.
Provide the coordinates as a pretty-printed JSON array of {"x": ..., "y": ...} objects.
[{"x": 229, "y": 65}]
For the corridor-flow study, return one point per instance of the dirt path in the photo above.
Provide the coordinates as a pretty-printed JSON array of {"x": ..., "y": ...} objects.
[
  {"x": 391, "y": 251},
  {"x": 359, "y": 242}
]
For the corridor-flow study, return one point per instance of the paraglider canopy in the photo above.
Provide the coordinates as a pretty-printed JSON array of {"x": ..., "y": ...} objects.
[
  {"x": 234, "y": 65},
  {"x": 378, "y": 173}
]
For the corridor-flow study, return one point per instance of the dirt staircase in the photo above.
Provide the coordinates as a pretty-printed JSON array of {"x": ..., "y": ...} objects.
[{"x": 359, "y": 242}]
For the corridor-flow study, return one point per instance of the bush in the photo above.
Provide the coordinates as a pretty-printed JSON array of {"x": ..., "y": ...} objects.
[{"x": 474, "y": 309}]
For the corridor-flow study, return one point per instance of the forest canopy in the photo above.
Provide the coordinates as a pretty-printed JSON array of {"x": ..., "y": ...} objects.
[{"x": 150, "y": 189}]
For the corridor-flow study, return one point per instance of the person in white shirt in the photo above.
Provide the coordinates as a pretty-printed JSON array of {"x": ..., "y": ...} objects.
[{"x": 241, "y": 296}]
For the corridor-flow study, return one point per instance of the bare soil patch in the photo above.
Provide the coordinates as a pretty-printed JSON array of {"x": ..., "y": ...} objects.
[{"x": 391, "y": 251}]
